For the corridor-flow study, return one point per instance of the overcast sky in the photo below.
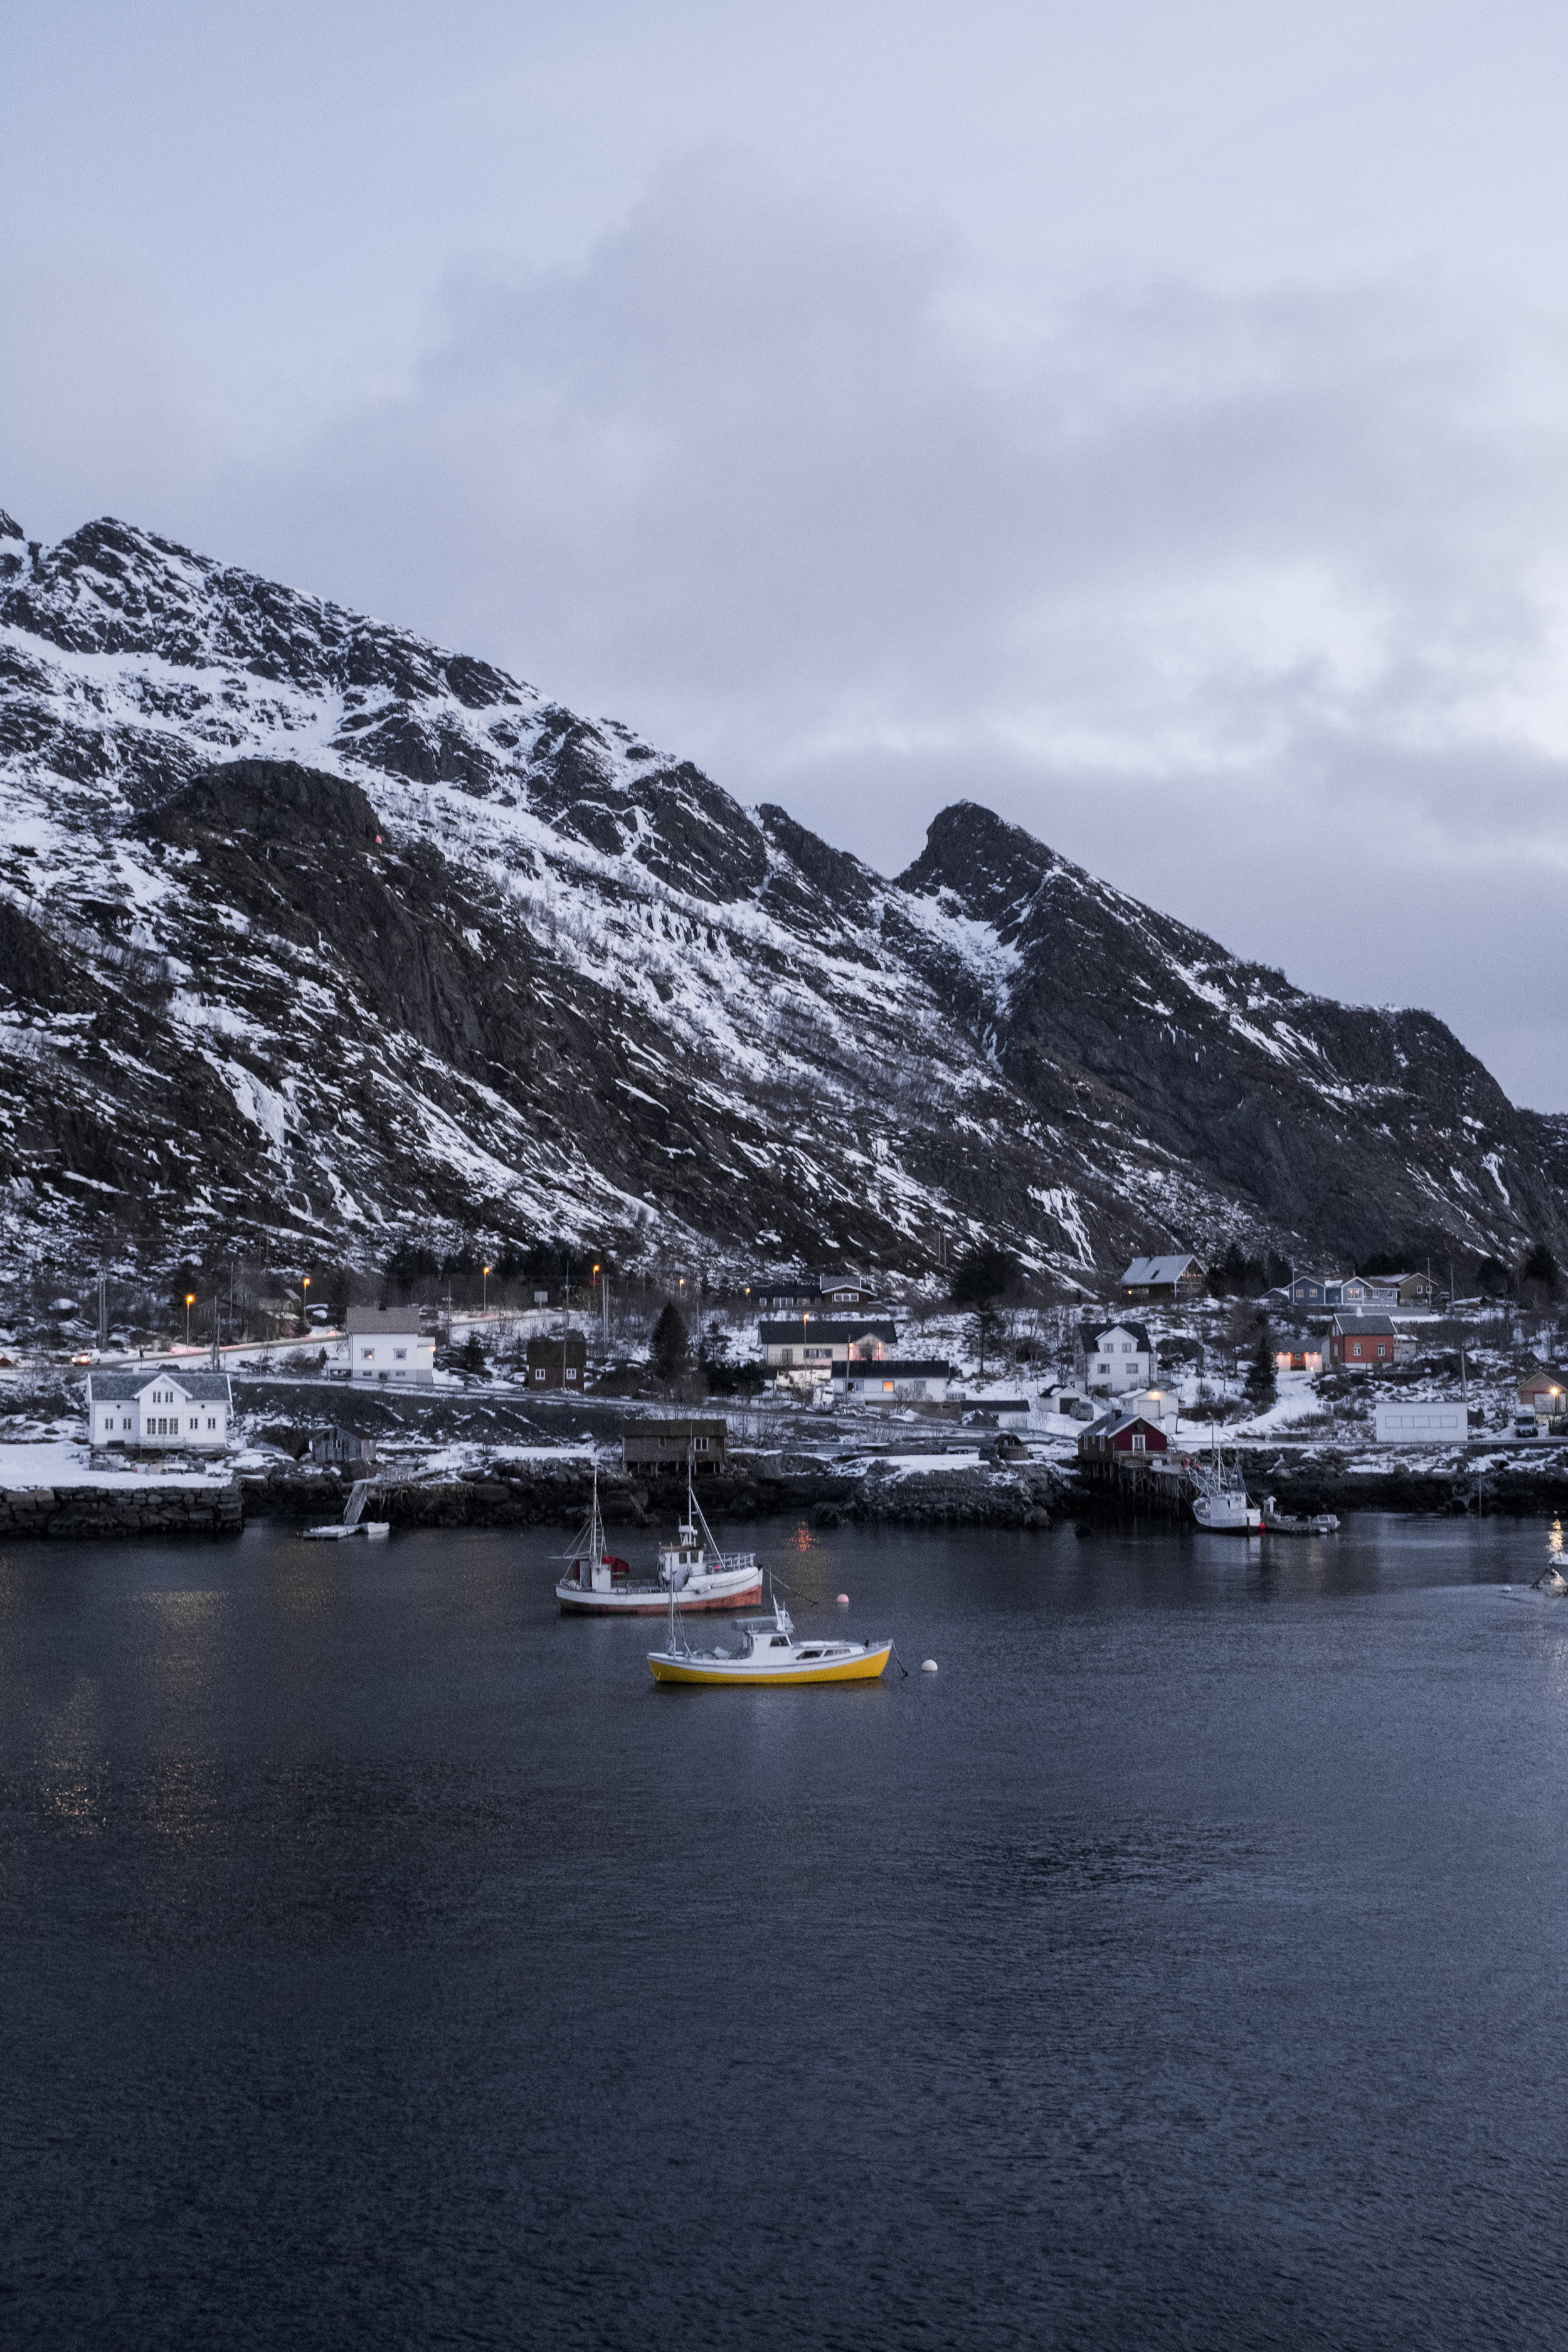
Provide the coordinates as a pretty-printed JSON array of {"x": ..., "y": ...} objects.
[{"x": 1148, "y": 420}]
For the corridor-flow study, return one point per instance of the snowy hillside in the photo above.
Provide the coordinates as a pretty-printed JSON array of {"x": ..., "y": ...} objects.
[{"x": 311, "y": 934}]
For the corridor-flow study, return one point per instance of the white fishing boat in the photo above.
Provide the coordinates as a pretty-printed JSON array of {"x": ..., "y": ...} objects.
[
  {"x": 694, "y": 1574},
  {"x": 1222, "y": 1505},
  {"x": 765, "y": 1652}
]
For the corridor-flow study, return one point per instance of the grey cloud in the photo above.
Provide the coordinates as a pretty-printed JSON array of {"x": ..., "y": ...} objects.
[{"x": 1252, "y": 601}]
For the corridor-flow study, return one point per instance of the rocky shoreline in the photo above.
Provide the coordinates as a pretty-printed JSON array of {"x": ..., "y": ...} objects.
[{"x": 1025, "y": 1495}]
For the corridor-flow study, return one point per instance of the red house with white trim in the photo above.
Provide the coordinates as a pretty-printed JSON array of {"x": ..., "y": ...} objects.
[{"x": 1361, "y": 1343}]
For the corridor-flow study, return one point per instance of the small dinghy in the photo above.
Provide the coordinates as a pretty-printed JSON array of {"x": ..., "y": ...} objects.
[
  {"x": 766, "y": 1652},
  {"x": 1554, "y": 1584},
  {"x": 1293, "y": 1523}
]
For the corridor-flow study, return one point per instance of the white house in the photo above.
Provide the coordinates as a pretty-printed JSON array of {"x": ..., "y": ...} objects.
[
  {"x": 156, "y": 1408},
  {"x": 892, "y": 1379},
  {"x": 385, "y": 1344},
  {"x": 1113, "y": 1356}
]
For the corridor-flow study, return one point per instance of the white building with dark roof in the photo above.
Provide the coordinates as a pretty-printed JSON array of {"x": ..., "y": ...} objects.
[
  {"x": 385, "y": 1344},
  {"x": 1111, "y": 1357},
  {"x": 153, "y": 1408}
]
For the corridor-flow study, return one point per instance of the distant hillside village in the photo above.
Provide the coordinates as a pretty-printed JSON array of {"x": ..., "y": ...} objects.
[{"x": 1175, "y": 1340}]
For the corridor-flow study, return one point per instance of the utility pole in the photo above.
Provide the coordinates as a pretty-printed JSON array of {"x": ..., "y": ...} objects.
[{"x": 102, "y": 1307}]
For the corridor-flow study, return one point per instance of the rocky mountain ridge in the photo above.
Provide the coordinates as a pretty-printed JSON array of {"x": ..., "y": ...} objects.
[{"x": 314, "y": 937}]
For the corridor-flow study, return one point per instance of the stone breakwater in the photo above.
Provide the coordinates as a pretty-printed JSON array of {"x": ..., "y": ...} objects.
[
  {"x": 547, "y": 1494},
  {"x": 120, "y": 1511}
]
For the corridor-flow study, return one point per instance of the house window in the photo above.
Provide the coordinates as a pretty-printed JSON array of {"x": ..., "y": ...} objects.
[
  {"x": 1355, "y": 1346},
  {"x": 400, "y": 1355},
  {"x": 570, "y": 1372},
  {"x": 367, "y": 1355},
  {"x": 212, "y": 1422},
  {"x": 539, "y": 1372},
  {"x": 888, "y": 1388},
  {"x": 1138, "y": 1445}
]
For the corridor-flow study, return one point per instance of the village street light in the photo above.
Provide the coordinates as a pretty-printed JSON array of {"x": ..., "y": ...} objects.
[
  {"x": 190, "y": 1302},
  {"x": 484, "y": 1290},
  {"x": 304, "y": 1302}
]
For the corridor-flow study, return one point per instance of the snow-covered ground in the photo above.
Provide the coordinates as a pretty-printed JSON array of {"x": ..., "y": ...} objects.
[{"x": 62, "y": 1462}]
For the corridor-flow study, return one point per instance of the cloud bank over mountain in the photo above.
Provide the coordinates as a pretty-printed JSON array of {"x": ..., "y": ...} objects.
[{"x": 1161, "y": 443}]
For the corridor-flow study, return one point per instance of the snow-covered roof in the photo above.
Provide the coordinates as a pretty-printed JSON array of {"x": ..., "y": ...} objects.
[
  {"x": 119, "y": 1387},
  {"x": 827, "y": 1327},
  {"x": 1145, "y": 1270},
  {"x": 1092, "y": 1335}
]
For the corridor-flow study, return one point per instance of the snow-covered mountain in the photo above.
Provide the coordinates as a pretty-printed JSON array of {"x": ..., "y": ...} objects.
[{"x": 313, "y": 936}]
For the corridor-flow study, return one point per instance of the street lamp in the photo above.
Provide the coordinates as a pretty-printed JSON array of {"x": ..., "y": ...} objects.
[
  {"x": 484, "y": 1290},
  {"x": 190, "y": 1302},
  {"x": 304, "y": 1302}
]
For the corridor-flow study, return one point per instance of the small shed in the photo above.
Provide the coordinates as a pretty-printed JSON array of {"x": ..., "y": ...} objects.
[
  {"x": 345, "y": 1446},
  {"x": 1543, "y": 1392},
  {"x": 661, "y": 1449},
  {"x": 558, "y": 1360}
]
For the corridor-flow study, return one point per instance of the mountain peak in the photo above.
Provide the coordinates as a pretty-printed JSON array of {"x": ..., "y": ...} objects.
[{"x": 993, "y": 868}]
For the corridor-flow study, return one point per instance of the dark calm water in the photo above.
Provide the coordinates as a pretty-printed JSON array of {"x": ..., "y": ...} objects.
[{"x": 385, "y": 1962}]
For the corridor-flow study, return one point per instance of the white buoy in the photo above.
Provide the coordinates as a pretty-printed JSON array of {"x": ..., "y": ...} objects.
[
  {"x": 843, "y": 1600},
  {"x": 927, "y": 1665}
]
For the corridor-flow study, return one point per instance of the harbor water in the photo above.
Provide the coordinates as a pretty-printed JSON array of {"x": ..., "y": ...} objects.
[{"x": 388, "y": 1962}]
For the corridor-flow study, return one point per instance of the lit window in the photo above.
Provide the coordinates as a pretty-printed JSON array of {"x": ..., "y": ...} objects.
[{"x": 367, "y": 1355}]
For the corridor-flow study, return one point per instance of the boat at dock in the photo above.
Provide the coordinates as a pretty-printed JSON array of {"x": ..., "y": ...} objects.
[
  {"x": 694, "y": 1574},
  {"x": 767, "y": 1653},
  {"x": 1221, "y": 1503}
]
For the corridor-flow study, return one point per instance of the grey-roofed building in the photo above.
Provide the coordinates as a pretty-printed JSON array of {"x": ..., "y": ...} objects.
[
  {"x": 1178, "y": 1276},
  {"x": 153, "y": 1408},
  {"x": 891, "y": 1379},
  {"x": 385, "y": 1344},
  {"x": 805, "y": 1349},
  {"x": 1361, "y": 1343}
]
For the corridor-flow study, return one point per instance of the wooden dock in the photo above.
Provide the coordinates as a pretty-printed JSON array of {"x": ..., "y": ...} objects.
[{"x": 1146, "y": 1486}]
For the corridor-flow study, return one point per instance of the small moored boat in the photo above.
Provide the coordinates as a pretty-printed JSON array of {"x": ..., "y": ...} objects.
[
  {"x": 766, "y": 1652},
  {"x": 1297, "y": 1523}
]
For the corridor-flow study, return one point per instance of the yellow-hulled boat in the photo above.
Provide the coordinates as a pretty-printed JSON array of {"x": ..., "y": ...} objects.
[{"x": 767, "y": 1653}]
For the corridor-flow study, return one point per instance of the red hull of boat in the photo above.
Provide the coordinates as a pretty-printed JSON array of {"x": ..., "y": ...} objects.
[{"x": 592, "y": 1605}]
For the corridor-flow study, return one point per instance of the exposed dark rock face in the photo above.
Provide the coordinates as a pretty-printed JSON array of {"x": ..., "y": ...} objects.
[{"x": 312, "y": 934}]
